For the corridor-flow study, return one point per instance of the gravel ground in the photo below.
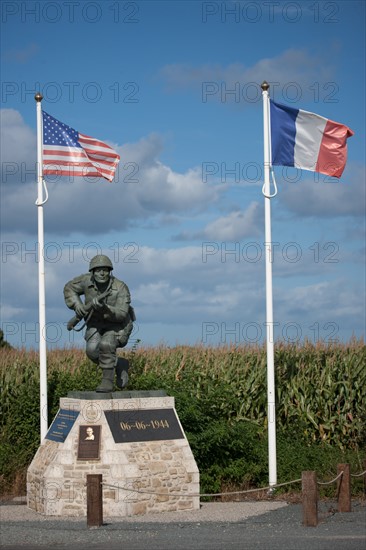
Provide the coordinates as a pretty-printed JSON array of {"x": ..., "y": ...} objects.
[
  {"x": 263, "y": 525},
  {"x": 209, "y": 511}
]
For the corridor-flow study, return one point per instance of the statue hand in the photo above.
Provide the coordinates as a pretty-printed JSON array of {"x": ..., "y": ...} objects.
[
  {"x": 80, "y": 310},
  {"x": 97, "y": 305}
]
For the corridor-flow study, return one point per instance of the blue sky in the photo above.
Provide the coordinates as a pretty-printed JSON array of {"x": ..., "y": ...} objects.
[{"x": 174, "y": 88}]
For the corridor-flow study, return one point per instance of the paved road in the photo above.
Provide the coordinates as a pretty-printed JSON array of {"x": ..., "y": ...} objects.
[{"x": 278, "y": 529}]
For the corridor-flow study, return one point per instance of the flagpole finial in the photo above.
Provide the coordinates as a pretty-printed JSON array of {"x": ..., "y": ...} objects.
[
  {"x": 38, "y": 97},
  {"x": 265, "y": 86}
]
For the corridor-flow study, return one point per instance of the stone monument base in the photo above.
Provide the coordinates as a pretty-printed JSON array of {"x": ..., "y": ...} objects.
[{"x": 134, "y": 439}]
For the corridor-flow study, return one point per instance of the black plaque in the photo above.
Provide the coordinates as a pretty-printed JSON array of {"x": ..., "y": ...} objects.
[
  {"x": 143, "y": 425},
  {"x": 89, "y": 442},
  {"x": 62, "y": 424}
]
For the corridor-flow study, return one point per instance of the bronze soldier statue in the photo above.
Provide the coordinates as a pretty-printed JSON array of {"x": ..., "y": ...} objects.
[{"x": 108, "y": 317}]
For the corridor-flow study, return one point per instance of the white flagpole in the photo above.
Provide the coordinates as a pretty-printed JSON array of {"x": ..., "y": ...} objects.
[
  {"x": 271, "y": 403},
  {"x": 41, "y": 277}
]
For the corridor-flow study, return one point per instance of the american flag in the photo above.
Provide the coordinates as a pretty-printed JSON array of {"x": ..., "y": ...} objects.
[{"x": 67, "y": 152}]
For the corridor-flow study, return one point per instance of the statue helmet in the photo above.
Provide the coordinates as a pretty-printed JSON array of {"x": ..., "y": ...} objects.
[{"x": 100, "y": 261}]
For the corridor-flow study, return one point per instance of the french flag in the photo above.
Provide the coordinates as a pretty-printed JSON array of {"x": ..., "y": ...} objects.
[{"x": 307, "y": 141}]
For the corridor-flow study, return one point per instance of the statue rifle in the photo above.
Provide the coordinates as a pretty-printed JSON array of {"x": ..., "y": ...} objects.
[{"x": 88, "y": 313}]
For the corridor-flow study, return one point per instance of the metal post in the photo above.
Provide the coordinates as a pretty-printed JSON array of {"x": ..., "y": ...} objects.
[
  {"x": 41, "y": 277},
  {"x": 271, "y": 403}
]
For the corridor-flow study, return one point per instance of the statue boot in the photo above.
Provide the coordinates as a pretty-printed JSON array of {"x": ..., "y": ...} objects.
[
  {"x": 107, "y": 382},
  {"x": 122, "y": 372}
]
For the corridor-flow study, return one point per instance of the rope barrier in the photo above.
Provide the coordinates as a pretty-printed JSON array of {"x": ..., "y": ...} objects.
[
  {"x": 230, "y": 493},
  {"x": 359, "y": 475},
  {"x": 332, "y": 481},
  {"x": 309, "y": 482},
  {"x": 201, "y": 494}
]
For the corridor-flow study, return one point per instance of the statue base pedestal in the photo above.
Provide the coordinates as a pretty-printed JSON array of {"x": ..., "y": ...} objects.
[{"x": 134, "y": 439}]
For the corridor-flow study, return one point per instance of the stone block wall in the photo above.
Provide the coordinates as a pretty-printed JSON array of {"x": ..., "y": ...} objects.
[{"x": 139, "y": 477}]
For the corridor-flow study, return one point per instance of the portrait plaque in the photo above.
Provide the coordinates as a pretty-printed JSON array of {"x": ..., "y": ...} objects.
[
  {"x": 89, "y": 442},
  {"x": 143, "y": 425},
  {"x": 62, "y": 424}
]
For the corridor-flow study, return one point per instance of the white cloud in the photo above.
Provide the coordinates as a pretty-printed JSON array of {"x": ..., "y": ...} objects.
[
  {"x": 293, "y": 70},
  {"x": 18, "y": 141},
  {"x": 327, "y": 198},
  {"x": 236, "y": 225},
  {"x": 21, "y": 55},
  {"x": 9, "y": 312},
  {"x": 325, "y": 302},
  {"x": 161, "y": 189},
  {"x": 233, "y": 227}
]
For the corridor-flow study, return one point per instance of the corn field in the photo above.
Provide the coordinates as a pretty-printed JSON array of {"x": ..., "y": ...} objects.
[{"x": 320, "y": 388}]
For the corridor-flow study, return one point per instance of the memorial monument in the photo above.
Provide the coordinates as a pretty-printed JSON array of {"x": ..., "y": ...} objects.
[{"x": 134, "y": 439}]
